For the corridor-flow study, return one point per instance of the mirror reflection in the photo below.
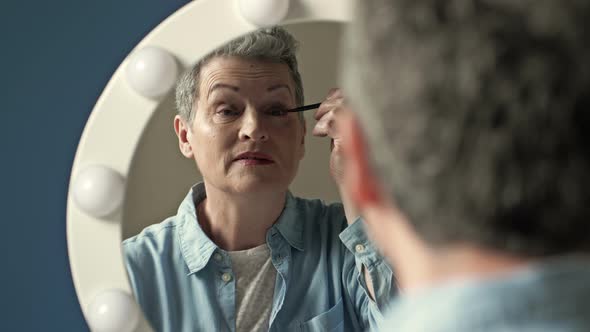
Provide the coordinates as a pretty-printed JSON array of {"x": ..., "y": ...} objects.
[
  {"x": 223, "y": 226},
  {"x": 160, "y": 176}
]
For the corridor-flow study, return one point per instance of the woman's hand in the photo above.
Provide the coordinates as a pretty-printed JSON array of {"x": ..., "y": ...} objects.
[{"x": 327, "y": 116}]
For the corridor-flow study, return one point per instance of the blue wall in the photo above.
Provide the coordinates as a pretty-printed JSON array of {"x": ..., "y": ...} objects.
[{"x": 55, "y": 59}]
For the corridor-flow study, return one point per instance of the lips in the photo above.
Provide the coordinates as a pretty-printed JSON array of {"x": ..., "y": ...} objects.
[{"x": 254, "y": 158}]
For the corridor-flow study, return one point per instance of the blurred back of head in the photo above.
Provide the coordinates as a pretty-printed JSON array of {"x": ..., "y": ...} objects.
[{"x": 477, "y": 115}]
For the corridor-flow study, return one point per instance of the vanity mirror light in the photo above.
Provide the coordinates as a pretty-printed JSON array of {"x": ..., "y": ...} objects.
[{"x": 128, "y": 173}]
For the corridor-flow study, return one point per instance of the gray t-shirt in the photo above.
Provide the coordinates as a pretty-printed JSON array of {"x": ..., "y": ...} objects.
[{"x": 255, "y": 282}]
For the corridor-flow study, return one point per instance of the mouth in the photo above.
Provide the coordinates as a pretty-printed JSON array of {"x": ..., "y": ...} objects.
[{"x": 254, "y": 159}]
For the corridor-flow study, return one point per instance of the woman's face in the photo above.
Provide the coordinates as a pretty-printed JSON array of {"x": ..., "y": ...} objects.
[{"x": 241, "y": 138}]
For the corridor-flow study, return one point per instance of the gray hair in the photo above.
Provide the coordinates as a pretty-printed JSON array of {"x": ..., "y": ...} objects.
[
  {"x": 477, "y": 114},
  {"x": 269, "y": 44}
]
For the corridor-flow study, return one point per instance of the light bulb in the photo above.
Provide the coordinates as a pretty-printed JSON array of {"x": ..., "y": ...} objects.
[
  {"x": 152, "y": 72},
  {"x": 264, "y": 13},
  {"x": 113, "y": 311},
  {"x": 98, "y": 190}
]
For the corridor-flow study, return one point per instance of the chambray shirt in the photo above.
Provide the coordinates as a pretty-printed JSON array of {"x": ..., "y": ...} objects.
[
  {"x": 550, "y": 296},
  {"x": 184, "y": 282}
]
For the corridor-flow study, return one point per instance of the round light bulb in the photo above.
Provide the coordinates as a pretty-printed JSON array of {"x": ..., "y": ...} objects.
[
  {"x": 113, "y": 311},
  {"x": 152, "y": 72},
  {"x": 99, "y": 190},
  {"x": 264, "y": 13}
]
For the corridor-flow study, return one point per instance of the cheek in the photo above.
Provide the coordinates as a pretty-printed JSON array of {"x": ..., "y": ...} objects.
[
  {"x": 290, "y": 123},
  {"x": 282, "y": 121},
  {"x": 211, "y": 141},
  {"x": 291, "y": 136}
]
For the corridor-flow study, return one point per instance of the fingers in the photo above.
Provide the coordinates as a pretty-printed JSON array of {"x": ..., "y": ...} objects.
[
  {"x": 334, "y": 100},
  {"x": 327, "y": 113},
  {"x": 326, "y": 126},
  {"x": 334, "y": 93},
  {"x": 327, "y": 106}
]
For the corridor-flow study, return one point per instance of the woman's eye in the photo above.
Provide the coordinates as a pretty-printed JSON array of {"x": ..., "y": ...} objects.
[
  {"x": 277, "y": 111},
  {"x": 227, "y": 112}
]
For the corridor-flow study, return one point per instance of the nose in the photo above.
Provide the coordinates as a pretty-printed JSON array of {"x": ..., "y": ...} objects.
[{"x": 253, "y": 127}]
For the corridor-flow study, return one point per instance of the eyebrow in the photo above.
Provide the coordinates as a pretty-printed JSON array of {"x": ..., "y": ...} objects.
[
  {"x": 217, "y": 86},
  {"x": 278, "y": 86},
  {"x": 222, "y": 86}
]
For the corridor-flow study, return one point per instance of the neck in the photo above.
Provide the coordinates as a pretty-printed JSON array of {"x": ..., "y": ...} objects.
[
  {"x": 460, "y": 264},
  {"x": 239, "y": 221},
  {"x": 419, "y": 266}
]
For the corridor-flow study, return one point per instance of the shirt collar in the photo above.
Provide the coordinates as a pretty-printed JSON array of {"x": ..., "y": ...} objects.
[
  {"x": 197, "y": 248},
  {"x": 290, "y": 223},
  {"x": 195, "y": 245}
]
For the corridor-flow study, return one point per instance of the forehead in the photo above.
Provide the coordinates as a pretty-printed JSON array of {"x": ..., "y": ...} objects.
[{"x": 236, "y": 70}]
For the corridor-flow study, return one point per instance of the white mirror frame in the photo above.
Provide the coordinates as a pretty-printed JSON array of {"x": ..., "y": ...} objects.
[{"x": 115, "y": 126}]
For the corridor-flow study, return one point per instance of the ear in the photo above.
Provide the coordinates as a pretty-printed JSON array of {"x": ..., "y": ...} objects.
[
  {"x": 182, "y": 132},
  {"x": 360, "y": 180}
]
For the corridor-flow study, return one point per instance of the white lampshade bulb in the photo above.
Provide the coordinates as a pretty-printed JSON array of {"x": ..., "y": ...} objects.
[
  {"x": 99, "y": 190},
  {"x": 152, "y": 72},
  {"x": 264, "y": 13},
  {"x": 113, "y": 311}
]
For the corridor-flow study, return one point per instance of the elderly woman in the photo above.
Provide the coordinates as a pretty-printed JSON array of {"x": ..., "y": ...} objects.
[{"x": 242, "y": 253}]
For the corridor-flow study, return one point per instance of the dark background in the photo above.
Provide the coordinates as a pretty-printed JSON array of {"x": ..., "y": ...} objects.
[{"x": 55, "y": 59}]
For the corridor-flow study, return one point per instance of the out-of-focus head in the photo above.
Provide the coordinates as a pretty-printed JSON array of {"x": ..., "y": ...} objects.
[
  {"x": 476, "y": 113},
  {"x": 232, "y": 117}
]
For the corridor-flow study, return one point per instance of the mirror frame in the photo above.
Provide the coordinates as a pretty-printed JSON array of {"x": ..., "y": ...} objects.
[{"x": 115, "y": 127}]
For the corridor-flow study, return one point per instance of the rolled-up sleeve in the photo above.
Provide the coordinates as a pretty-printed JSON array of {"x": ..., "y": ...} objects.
[{"x": 364, "y": 253}]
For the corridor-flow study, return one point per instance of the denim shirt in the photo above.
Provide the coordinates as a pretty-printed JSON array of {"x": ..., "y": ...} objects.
[
  {"x": 184, "y": 282},
  {"x": 550, "y": 296}
]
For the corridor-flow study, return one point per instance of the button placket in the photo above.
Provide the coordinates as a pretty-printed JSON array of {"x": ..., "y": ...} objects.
[{"x": 217, "y": 257}]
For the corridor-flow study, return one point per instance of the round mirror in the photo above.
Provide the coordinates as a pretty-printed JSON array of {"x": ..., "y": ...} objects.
[
  {"x": 160, "y": 176},
  {"x": 128, "y": 172}
]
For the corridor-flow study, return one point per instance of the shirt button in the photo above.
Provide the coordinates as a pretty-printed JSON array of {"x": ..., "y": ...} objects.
[
  {"x": 359, "y": 248},
  {"x": 217, "y": 257},
  {"x": 226, "y": 277}
]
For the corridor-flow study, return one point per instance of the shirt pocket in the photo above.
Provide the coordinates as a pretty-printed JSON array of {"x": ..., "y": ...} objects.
[{"x": 331, "y": 320}]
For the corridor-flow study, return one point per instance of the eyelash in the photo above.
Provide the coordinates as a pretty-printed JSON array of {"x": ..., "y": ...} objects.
[
  {"x": 280, "y": 108},
  {"x": 276, "y": 110},
  {"x": 223, "y": 112}
]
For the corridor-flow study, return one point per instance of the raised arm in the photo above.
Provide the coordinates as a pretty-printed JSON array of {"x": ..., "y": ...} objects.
[{"x": 376, "y": 286}]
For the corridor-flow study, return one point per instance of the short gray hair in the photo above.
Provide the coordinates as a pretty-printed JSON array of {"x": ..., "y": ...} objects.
[
  {"x": 269, "y": 44},
  {"x": 477, "y": 114}
]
